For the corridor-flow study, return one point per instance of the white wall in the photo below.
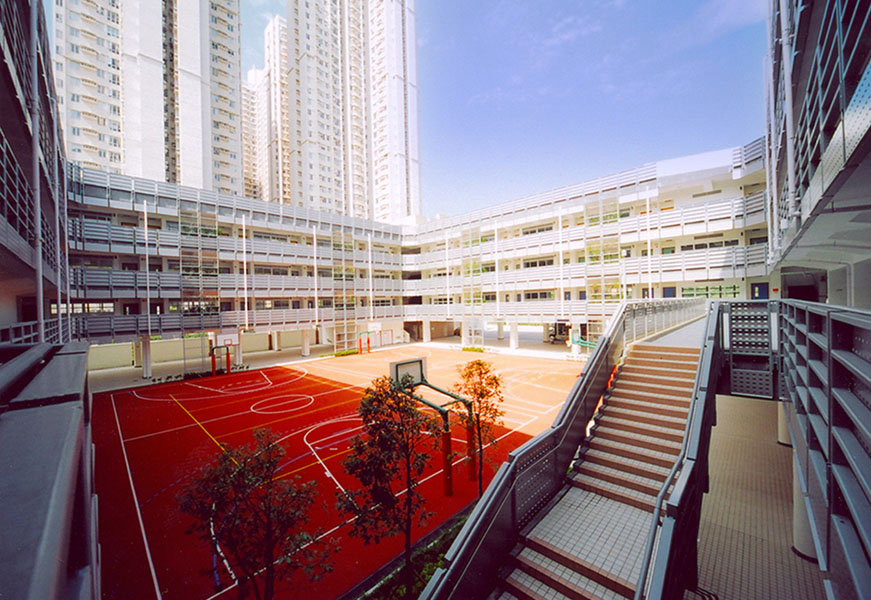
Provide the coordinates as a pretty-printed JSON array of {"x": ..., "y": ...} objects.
[
  {"x": 142, "y": 89},
  {"x": 862, "y": 284}
]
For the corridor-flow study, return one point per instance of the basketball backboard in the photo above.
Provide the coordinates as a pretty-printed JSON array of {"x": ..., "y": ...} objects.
[{"x": 414, "y": 368}]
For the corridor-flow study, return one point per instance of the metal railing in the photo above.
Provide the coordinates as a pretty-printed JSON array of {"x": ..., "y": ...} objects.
[
  {"x": 536, "y": 471},
  {"x": 675, "y": 557},
  {"x": 825, "y": 375}
]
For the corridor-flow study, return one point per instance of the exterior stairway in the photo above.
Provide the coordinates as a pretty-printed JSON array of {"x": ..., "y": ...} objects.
[{"x": 589, "y": 545}]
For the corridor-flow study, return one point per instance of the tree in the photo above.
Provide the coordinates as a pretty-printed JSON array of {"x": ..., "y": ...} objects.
[
  {"x": 483, "y": 388},
  {"x": 253, "y": 517},
  {"x": 389, "y": 457}
]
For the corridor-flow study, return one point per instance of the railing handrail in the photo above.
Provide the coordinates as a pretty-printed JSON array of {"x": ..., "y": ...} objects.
[
  {"x": 694, "y": 413},
  {"x": 483, "y": 517}
]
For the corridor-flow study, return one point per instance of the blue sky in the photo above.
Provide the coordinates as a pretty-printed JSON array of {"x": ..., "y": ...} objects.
[{"x": 522, "y": 96}]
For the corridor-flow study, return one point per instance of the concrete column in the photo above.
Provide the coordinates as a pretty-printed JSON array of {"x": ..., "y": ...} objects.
[
  {"x": 513, "y": 337},
  {"x": 237, "y": 356},
  {"x": 145, "y": 342},
  {"x": 464, "y": 333},
  {"x": 783, "y": 424},
  {"x": 544, "y": 333},
  {"x": 500, "y": 330},
  {"x": 137, "y": 352},
  {"x": 427, "y": 331},
  {"x": 802, "y": 539},
  {"x": 575, "y": 333},
  {"x": 861, "y": 290},
  {"x": 306, "y": 342},
  {"x": 274, "y": 340}
]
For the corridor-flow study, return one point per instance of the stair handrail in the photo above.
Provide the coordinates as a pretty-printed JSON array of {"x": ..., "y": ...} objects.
[
  {"x": 695, "y": 412},
  {"x": 549, "y": 443}
]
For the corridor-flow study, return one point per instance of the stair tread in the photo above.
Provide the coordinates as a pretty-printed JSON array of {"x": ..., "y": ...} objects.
[
  {"x": 610, "y": 447},
  {"x": 620, "y": 413},
  {"x": 687, "y": 372},
  {"x": 597, "y": 530},
  {"x": 677, "y": 381},
  {"x": 655, "y": 398},
  {"x": 652, "y": 389},
  {"x": 689, "y": 350},
  {"x": 535, "y": 586},
  {"x": 684, "y": 359},
  {"x": 595, "y": 453},
  {"x": 593, "y": 469},
  {"x": 639, "y": 438},
  {"x": 653, "y": 408},
  {"x": 556, "y": 569},
  {"x": 593, "y": 484}
]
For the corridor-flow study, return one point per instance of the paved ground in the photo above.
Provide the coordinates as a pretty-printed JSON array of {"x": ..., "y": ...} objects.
[
  {"x": 125, "y": 377},
  {"x": 745, "y": 538}
]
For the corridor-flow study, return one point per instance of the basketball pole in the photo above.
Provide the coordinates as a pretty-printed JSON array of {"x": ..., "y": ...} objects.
[
  {"x": 447, "y": 463},
  {"x": 447, "y": 455},
  {"x": 470, "y": 451}
]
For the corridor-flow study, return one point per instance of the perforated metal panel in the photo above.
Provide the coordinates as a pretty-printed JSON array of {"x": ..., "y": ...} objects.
[{"x": 752, "y": 367}]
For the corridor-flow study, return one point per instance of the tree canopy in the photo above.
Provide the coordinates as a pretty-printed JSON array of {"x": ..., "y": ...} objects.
[
  {"x": 254, "y": 518},
  {"x": 388, "y": 458},
  {"x": 481, "y": 386}
]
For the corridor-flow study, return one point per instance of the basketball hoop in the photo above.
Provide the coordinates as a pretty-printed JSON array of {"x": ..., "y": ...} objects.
[{"x": 213, "y": 352}]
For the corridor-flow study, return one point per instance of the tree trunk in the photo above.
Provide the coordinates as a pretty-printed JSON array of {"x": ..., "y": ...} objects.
[
  {"x": 269, "y": 555},
  {"x": 480, "y": 455},
  {"x": 409, "y": 577}
]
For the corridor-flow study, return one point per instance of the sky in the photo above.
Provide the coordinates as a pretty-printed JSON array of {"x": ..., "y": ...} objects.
[{"x": 518, "y": 97}]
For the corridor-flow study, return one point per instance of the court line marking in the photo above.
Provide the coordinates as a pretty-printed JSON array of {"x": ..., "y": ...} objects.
[
  {"x": 317, "y": 456},
  {"x": 135, "y": 500},
  {"x": 272, "y": 409},
  {"x": 399, "y": 493},
  {"x": 522, "y": 410},
  {"x": 242, "y": 391},
  {"x": 206, "y": 431},
  {"x": 235, "y": 584},
  {"x": 515, "y": 398},
  {"x": 247, "y": 411}
]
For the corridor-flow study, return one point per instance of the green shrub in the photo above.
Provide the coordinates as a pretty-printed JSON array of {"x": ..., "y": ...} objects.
[{"x": 426, "y": 560}]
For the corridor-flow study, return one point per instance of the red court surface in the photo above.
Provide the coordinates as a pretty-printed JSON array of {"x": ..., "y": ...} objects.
[{"x": 151, "y": 440}]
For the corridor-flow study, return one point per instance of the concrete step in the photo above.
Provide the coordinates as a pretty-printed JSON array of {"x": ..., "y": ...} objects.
[
  {"x": 619, "y": 477},
  {"x": 680, "y": 350},
  {"x": 688, "y": 372},
  {"x": 563, "y": 575},
  {"x": 648, "y": 407},
  {"x": 637, "y": 437},
  {"x": 522, "y": 585},
  {"x": 619, "y": 391},
  {"x": 647, "y": 418},
  {"x": 632, "y": 452},
  {"x": 649, "y": 387},
  {"x": 627, "y": 464},
  {"x": 619, "y": 493},
  {"x": 657, "y": 361},
  {"x": 663, "y": 381}
]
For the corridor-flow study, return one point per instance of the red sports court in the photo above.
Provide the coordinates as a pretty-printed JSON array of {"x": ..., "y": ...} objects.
[{"x": 150, "y": 440}]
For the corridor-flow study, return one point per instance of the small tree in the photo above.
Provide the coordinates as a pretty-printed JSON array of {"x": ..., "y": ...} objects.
[
  {"x": 389, "y": 456},
  {"x": 483, "y": 388},
  {"x": 253, "y": 517}
]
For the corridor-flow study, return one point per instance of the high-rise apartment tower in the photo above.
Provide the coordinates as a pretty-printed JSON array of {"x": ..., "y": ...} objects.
[
  {"x": 151, "y": 88},
  {"x": 342, "y": 107}
]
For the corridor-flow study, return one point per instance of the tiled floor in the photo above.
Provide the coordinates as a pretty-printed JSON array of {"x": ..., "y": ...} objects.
[
  {"x": 746, "y": 528},
  {"x": 598, "y": 530}
]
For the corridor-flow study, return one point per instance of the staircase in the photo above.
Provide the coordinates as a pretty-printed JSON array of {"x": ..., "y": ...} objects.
[{"x": 589, "y": 545}]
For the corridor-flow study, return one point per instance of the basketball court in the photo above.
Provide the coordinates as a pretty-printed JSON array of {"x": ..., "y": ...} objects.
[{"x": 151, "y": 440}]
